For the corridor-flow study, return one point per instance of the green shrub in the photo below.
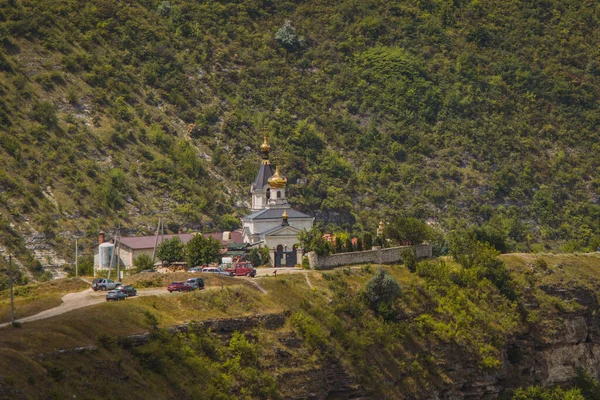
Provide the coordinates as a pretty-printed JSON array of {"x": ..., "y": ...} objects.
[
  {"x": 309, "y": 330},
  {"x": 143, "y": 262},
  {"x": 382, "y": 289},
  {"x": 409, "y": 258},
  {"x": 287, "y": 37},
  {"x": 45, "y": 113},
  {"x": 106, "y": 341}
]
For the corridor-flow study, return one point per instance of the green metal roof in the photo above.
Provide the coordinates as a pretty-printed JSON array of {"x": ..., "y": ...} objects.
[{"x": 234, "y": 253}]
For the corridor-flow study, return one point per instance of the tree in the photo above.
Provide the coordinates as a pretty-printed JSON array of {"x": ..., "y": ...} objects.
[
  {"x": 202, "y": 250},
  {"x": 410, "y": 259},
  {"x": 142, "y": 262},
  {"x": 85, "y": 265},
  {"x": 171, "y": 250},
  {"x": 468, "y": 251},
  {"x": 348, "y": 245},
  {"x": 229, "y": 222},
  {"x": 483, "y": 258},
  {"x": 367, "y": 240},
  {"x": 255, "y": 257},
  {"x": 313, "y": 241},
  {"x": 407, "y": 231},
  {"x": 288, "y": 38},
  {"x": 382, "y": 289}
]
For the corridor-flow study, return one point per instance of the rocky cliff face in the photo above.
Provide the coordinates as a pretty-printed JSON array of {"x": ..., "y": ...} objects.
[
  {"x": 541, "y": 356},
  {"x": 554, "y": 356}
]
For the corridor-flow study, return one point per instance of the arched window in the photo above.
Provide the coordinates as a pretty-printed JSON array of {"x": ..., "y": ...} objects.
[
  {"x": 268, "y": 193},
  {"x": 278, "y": 194}
]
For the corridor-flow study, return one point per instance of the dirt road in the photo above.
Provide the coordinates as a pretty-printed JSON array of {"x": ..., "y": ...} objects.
[{"x": 86, "y": 298}]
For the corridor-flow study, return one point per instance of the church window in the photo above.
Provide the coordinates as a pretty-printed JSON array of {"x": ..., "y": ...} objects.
[
  {"x": 268, "y": 193},
  {"x": 278, "y": 194}
]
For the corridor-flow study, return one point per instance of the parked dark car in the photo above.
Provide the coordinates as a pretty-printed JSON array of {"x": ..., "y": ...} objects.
[
  {"x": 179, "y": 287},
  {"x": 196, "y": 283},
  {"x": 115, "y": 295},
  {"x": 129, "y": 290}
]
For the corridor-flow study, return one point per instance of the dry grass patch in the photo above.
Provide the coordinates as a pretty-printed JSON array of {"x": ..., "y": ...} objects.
[
  {"x": 82, "y": 327},
  {"x": 156, "y": 279},
  {"x": 581, "y": 269},
  {"x": 34, "y": 298}
]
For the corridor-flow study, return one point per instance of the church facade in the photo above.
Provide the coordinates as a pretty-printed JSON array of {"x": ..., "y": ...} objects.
[{"x": 273, "y": 223}]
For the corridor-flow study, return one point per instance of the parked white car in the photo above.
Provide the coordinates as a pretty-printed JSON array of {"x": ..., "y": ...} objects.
[{"x": 213, "y": 270}]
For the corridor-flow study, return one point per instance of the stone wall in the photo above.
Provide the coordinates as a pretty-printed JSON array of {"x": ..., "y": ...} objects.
[{"x": 377, "y": 256}]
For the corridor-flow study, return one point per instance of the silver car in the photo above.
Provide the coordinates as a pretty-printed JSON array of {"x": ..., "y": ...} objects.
[
  {"x": 214, "y": 270},
  {"x": 196, "y": 283}
]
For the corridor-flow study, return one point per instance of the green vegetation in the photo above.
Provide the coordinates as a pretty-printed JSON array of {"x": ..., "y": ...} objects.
[
  {"x": 33, "y": 298},
  {"x": 202, "y": 250},
  {"x": 142, "y": 262},
  {"x": 385, "y": 325},
  {"x": 483, "y": 112},
  {"x": 537, "y": 393},
  {"x": 171, "y": 250},
  {"x": 199, "y": 250}
]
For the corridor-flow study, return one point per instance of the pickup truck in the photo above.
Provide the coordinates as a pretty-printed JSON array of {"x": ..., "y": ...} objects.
[
  {"x": 105, "y": 284},
  {"x": 241, "y": 269}
]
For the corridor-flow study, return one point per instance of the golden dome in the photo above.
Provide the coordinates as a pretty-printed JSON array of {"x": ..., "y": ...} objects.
[
  {"x": 284, "y": 219},
  {"x": 277, "y": 181},
  {"x": 265, "y": 147}
]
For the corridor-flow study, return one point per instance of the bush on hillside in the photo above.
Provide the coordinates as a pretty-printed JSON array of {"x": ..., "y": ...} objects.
[
  {"x": 171, "y": 250},
  {"x": 382, "y": 289},
  {"x": 287, "y": 37},
  {"x": 142, "y": 262}
]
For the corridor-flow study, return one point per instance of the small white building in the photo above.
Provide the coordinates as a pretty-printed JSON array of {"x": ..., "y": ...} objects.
[{"x": 274, "y": 223}]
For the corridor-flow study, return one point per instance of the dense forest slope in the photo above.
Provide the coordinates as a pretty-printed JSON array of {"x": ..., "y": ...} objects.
[{"x": 447, "y": 111}]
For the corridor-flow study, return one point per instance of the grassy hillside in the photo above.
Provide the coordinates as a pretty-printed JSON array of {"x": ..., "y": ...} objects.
[
  {"x": 485, "y": 112},
  {"x": 447, "y": 325}
]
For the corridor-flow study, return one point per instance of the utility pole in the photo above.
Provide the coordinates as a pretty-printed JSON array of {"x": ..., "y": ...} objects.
[
  {"x": 12, "y": 300},
  {"x": 118, "y": 248},
  {"x": 156, "y": 241},
  {"x": 112, "y": 256},
  {"x": 76, "y": 259}
]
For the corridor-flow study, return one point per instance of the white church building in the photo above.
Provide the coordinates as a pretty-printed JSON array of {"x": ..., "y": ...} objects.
[{"x": 273, "y": 223}]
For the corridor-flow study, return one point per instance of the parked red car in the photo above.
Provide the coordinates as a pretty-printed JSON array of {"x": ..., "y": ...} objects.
[
  {"x": 242, "y": 268},
  {"x": 180, "y": 287}
]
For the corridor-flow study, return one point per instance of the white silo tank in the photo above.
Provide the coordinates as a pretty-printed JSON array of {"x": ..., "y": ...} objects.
[{"x": 106, "y": 252}]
